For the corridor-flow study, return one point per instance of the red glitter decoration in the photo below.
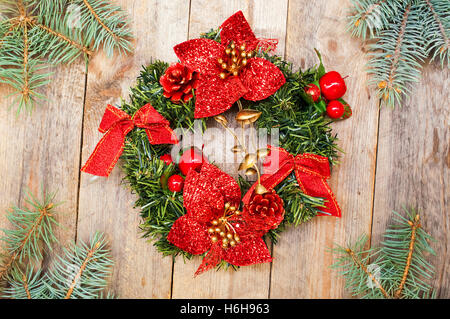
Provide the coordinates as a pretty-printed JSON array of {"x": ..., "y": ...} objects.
[
  {"x": 204, "y": 197},
  {"x": 258, "y": 80},
  {"x": 178, "y": 82}
]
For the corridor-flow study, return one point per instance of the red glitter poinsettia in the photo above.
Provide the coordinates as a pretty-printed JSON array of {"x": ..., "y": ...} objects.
[
  {"x": 229, "y": 70},
  {"x": 213, "y": 223}
]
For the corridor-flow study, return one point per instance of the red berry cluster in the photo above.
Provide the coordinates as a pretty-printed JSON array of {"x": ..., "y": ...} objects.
[
  {"x": 191, "y": 159},
  {"x": 331, "y": 87}
]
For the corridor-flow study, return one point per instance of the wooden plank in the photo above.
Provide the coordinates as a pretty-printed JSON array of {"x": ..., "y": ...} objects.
[
  {"x": 105, "y": 205},
  {"x": 268, "y": 19},
  {"x": 413, "y": 166},
  {"x": 42, "y": 150},
  {"x": 301, "y": 265}
]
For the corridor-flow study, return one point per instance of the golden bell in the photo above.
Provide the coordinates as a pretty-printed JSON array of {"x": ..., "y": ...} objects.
[
  {"x": 250, "y": 171},
  {"x": 248, "y": 116}
]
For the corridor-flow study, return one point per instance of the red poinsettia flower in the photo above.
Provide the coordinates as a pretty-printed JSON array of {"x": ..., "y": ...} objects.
[
  {"x": 229, "y": 70},
  {"x": 213, "y": 224}
]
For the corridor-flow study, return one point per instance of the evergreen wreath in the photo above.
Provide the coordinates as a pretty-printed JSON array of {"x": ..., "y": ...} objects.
[
  {"x": 37, "y": 34},
  {"x": 178, "y": 197}
]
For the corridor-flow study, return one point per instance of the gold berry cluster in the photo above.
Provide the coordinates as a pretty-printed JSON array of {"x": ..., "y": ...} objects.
[
  {"x": 221, "y": 229},
  {"x": 237, "y": 58}
]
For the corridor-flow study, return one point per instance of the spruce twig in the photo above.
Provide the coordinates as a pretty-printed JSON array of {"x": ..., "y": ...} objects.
[
  {"x": 414, "y": 225},
  {"x": 81, "y": 273},
  {"x": 403, "y": 269},
  {"x": 358, "y": 263},
  {"x": 31, "y": 227},
  {"x": 48, "y": 38},
  {"x": 401, "y": 35}
]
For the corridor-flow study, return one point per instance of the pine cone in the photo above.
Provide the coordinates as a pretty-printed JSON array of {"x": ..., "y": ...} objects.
[
  {"x": 264, "y": 212},
  {"x": 178, "y": 82}
]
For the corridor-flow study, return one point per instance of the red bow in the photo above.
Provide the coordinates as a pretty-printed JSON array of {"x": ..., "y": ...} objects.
[
  {"x": 116, "y": 124},
  {"x": 311, "y": 172}
]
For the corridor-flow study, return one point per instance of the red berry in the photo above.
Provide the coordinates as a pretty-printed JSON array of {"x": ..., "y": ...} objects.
[
  {"x": 166, "y": 158},
  {"x": 332, "y": 85},
  {"x": 175, "y": 183},
  {"x": 335, "y": 109},
  {"x": 313, "y": 91},
  {"x": 190, "y": 159}
]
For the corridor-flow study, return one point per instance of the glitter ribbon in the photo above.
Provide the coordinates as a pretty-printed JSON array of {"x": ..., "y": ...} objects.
[
  {"x": 116, "y": 124},
  {"x": 311, "y": 172}
]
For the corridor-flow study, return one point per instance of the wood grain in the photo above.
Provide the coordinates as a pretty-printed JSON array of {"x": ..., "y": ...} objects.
[
  {"x": 268, "y": 19},
  {"x": 41, "y": 151},
  {"x": 413, "y": 167},
  {"x": 301, "y": 265},
  {"x": 105, "y": 204}
]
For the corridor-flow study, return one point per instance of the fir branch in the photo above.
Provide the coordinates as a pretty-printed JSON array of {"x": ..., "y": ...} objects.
[
  {"x": 64, "y": 38},
  {"x": 31, "y": 227},
  {"x": 44, "y": 32},
  {"x": 369, "y": 17},
  {"x": 438, "y": 26},
  {"x": 403, "y": 269},
  {"x": 105, "y": 24},
  {"x": 414, "y": 226},
  {"x": 396, "y": 56},
  {"x": 25, "y": 285},
  {"x": 405, "y": 33},
  {"x": 359, "y": 264},
  {"x": 82, "y": 272}
]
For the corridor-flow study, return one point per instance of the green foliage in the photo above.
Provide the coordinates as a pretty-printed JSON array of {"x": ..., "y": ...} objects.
[
  {"x": 37, "y": 34},
  {"x": 81, "y": 273},
  {"x": 31, "y": 228},
  {"x": 401, "y": 35},
  {"x": 399, "y": 269}
]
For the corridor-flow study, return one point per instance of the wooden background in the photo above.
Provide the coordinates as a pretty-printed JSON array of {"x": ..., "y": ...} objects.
[{"x": 393, "y": 157}]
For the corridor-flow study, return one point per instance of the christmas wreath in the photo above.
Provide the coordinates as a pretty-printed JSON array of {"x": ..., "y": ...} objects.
[{"x": 188, "y": 205}]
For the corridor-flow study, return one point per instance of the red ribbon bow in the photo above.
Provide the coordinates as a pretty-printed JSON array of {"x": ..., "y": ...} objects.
[
  {"x": 311, "y": 172},
  {"x": 116, "y": 124}
]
